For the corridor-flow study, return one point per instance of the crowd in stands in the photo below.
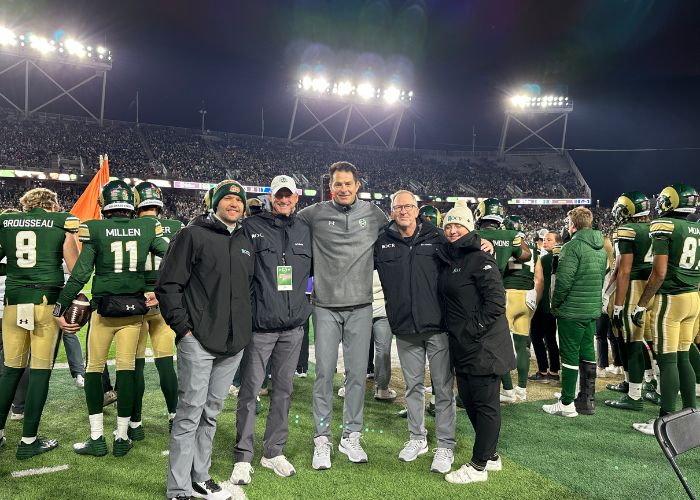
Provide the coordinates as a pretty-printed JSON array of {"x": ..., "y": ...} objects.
[{"x": 177, "y": 155}]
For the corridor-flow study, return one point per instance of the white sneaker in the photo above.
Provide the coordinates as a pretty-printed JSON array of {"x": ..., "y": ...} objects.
[
  {"x": 601, "y": 373},
  {"x": 241, "y": 473},
  {"x": 557, "y": 395},
  {"x": 233, "y": 391},
  {"x": 263, "y": 392},
  {"x": 615, "y": 370},
  {"x": 209, "y": 490},
  {"x": 280, "y": 465},
  {"x": 322, "y": 453},
  {"x": 341, "y": 392},
  {"x": 384, "y": 394},
  {"x": 301, "y": 374},
  {"x": 508, "y": 396},
  {"x": 79, "y": 381},
  {"x": 17, "y": 416},
  {"x": 520, "y": 393},
  {"x": 494, "y": 465},
  {"x": 561, "y": 409},
  {"x": 645, "y": 428},
  {"x": 351, "y": 447},
  {"x": 429, "y": 390},
  {"x": 466, "y": 474},
  {"x": 697, "y": 390},
  {"x": 442, "y": 460},
  {"x": 413, "y": 448}
]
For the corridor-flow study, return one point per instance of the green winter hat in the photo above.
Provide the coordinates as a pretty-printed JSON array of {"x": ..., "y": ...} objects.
[{"x": 227, "y": 187}]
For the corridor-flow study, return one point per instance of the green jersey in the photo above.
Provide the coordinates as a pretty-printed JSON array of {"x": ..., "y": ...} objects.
[
  {"x": 680, "y": 240},
  {"x": 505, "y": 242},
  {"x": 635, "y": 239},
  {"x": 521, "y": 275},
  {"x": 117, "y": 250},
  {"x": 33, "y": 243},
  {"x": 546, "y": 262},
  {"x": 170, "y": 227}
]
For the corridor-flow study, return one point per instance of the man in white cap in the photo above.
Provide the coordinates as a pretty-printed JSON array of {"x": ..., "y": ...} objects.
[{"x": 282, "y": 249}]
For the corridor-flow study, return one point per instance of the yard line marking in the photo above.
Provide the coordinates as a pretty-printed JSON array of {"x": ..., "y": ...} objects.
[{"x": 36, "y": 472}]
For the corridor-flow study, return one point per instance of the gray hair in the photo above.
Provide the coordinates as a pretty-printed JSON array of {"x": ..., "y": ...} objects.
[{"x": 403, "y": 191}]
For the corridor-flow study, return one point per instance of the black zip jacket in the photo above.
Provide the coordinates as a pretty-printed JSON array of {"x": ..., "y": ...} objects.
[
  {"x": 409, "y": 276},
  {"x": 278, "y": 240},
  {"x": 204, "y": 286},
  {"x": 475, "y": 309}
]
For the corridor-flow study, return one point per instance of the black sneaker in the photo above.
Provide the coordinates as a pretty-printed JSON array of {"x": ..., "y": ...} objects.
[
  {"x": 181, "y": 497},
  {"x": 3, "y": 440},
  {"x": 538, "y": 377},
  {"x": 209, "y": 490},
  {"x": 38, "y": 447},
  {"x": 553, "y": 378}
]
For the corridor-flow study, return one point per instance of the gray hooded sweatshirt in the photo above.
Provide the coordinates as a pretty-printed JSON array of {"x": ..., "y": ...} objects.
[{"x": 342, "y": 240}]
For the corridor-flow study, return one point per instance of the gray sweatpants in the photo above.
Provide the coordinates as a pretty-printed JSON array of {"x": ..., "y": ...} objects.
[
  {"x": 282, "y": 348},
  {"x": 412, "y": 351},
  {"x": 203, "y": 382},
  {"x": 382, "y": 352},
  {"x": 352, "y": 327}
]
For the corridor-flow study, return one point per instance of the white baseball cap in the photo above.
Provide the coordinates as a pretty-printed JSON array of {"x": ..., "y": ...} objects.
[{"x": 283, "y": 181}]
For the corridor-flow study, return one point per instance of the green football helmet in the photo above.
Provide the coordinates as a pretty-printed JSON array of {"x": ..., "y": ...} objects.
[
  {"x": 432, "y": 214},
  {"x": 677, "y": 198},
  {"x": 116, "y": 195},
  {"x": 489, "y": 209},
  {"x": 630, "y": 204},
  {"x": 516, "y": 223},
  {"x": 148, "y": 194},
  {"x": 206, "y": 201}
]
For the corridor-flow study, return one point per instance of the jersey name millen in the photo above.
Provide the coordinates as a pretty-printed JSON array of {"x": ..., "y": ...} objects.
[{"x": 122, "y": 232}]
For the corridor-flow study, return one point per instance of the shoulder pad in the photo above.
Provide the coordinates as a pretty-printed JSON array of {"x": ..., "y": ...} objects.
[
  {"x": 83, "y": 233},
  {"x": 661, "y": 227},
  {"x": 626, "y": 233}
]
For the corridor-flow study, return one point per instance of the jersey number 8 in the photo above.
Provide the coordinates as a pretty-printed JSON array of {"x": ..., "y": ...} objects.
[
  {"x": 26, "y": 245},
  {"x": 689, "y": 255}
]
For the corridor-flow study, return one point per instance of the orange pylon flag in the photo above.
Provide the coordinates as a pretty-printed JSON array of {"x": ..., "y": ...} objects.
[{"x": 88, "y": 207}]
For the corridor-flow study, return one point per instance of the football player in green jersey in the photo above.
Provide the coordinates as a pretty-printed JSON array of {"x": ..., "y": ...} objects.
[
  {"x": 633, "y": 247},
  {"x": 149, "y": 202},
  {"x": 674, "y": 279},
  {"x": 508, "y": 244},
  {"x": 35, "y": 243},
  {"x": 117, "y": 249},
  {"x": 524, "y": 284},
  {"x": 432, "y": 214}
]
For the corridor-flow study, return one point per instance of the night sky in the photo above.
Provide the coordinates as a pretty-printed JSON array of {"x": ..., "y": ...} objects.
[{"x": 631, "y": 68}]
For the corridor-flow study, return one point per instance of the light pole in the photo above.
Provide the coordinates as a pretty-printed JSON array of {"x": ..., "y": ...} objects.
[{"x": 202, "y": 112}]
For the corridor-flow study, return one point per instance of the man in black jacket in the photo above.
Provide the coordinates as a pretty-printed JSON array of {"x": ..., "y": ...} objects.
[
  {"x": 204, "y": 291},
  {"x": 406, "y": 259},
  {"x": 282, "y": 245}
]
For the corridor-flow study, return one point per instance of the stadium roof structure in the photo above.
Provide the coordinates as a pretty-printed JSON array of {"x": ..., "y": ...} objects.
[
  {"x": 349, "y": 96},
  {"x": 32, "y": 49},
  {"x": 523, "y": 108}
]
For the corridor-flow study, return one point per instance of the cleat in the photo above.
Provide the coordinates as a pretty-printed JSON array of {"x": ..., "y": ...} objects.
[
  {"x": 520, "y": 393},
  {"x": 121, "y": 447},
  {"x": 322, "y": 453},
  {"x": 94, "y": 447},
  {"x": 442, "y": 460},
  {"x": 650, "y": 386},
  {"x": 412, "y": 449},
  {"x": 466, "y": 474},
  {"x": 109, "y": 398},
  {"x": 561, "y": 409},
  {"x": 625, "y": 403},
  {"x": 403, "y": 413},
  {"x": 653, "y": 397},
  {"x": 136, "y": 433},
  {"x": 241, "y": 473},
  {"x": 39, "y": 446},
  {"x": 280, "y": 465},
  {"x": 645, "y": 428},
  {"x": 351, "y": 447},
  {"x": 623, "y": 386},
  {"x": 539, "y": 378},
  {"x": 508, "y": 396},
  {"x": 209, "y": 490}
]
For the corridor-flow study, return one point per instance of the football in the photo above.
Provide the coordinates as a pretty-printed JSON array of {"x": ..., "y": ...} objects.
[{"x": 79, "y": 310}]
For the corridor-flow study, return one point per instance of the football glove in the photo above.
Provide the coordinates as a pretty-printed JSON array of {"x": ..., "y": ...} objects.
[
  {"x": 638, "y": 316},
  {"x": 531, "y": 299},
  {"x": 617, "y": 321}
]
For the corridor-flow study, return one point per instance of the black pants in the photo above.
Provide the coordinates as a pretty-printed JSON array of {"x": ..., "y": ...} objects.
[
  {"x": 480, "y": 395},
  {"x": 543, "y": 334},
  {"x": 603, "y": 333},
  {"x": 303, "y": 363}
]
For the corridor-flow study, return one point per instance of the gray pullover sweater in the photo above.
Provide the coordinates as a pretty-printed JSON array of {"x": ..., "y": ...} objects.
[{"x": 342, "y": 240}]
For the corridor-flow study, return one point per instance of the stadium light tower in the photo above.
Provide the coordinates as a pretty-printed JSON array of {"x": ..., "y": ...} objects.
[
  {"x": 31, "y": 49},
  {"x": 523, "y": 108},
  {"x": 350, "y": 96}
]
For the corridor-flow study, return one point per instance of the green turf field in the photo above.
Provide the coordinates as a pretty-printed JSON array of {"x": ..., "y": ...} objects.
[{"x": 545, "y": 457}]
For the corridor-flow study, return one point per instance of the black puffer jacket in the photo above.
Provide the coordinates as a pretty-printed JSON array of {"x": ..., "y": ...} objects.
[
  {"x": 279, "y": 241},
  {"x": 409, "y": 276},
  {"x": 475, "y": 309},
  {"x": 204, "y": 286}
]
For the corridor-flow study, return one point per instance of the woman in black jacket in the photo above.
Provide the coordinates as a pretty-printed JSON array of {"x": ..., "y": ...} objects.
[{"x": 481, "y": 347}]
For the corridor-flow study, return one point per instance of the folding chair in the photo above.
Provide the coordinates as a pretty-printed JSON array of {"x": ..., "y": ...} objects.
[{"x": 677, "y": 433}]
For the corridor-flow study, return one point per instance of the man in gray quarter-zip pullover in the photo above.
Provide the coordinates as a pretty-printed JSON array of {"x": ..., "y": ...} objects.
[{"x": 343, "y": 232}]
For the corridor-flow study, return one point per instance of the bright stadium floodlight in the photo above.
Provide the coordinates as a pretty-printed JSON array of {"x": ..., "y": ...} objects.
[
  {"x": 365, "y": 91},
  {"x": 100, "y": 50},
  {"x": 75, "y": 48},
  {"x": 391, "y": 94},
  {"x": 344, "y": 88},
  {"x": 306, "y": 83},
  {"x": 319, "y": 85},
  {"x": 40, "y": 44},
  {"x": 7, "y": 37}
]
